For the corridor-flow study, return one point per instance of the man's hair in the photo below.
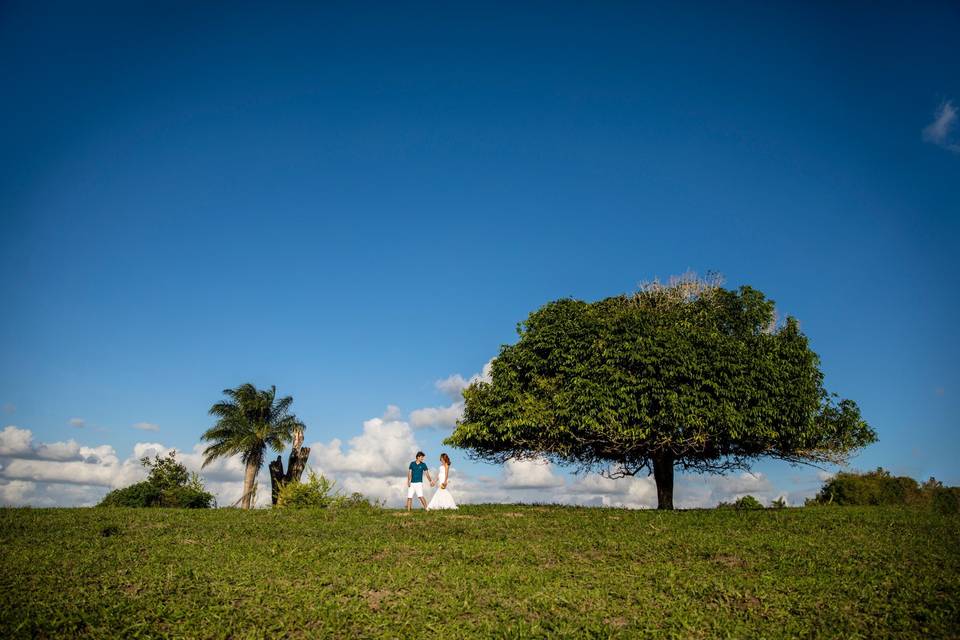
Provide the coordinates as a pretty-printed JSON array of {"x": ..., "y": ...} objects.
[{"x": 420, "y": 454}]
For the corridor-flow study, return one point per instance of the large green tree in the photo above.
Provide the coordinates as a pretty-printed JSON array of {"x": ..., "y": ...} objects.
[
  {"x": 686, "y": 374},
  {"x": 248, "y": 423}
]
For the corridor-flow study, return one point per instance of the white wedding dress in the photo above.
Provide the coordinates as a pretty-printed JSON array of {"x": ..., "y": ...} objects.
[{"x": 442, "y": 498}]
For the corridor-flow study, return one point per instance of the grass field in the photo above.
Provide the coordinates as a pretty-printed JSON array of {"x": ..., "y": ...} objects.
[{"x": 485, "y": 571}]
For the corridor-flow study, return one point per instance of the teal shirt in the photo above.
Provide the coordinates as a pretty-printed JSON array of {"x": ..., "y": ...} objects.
[{"x": 416, "y": 471}]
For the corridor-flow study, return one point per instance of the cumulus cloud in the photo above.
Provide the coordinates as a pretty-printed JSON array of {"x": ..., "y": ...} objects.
[
  {"x": 634, "y": 492},
  {"x": 941, "y": 131},
  {"x": 374, "y": 462},
  {"x": 70, "y": 474},
  {"x": 146, "y": 426},
  {"x": 77, "y": 422},
  {"x": 529, "y": 474},
  {"x": 68, "y": 450},
  {"x": 15, "y": 441},
  {"x": 440, "y": 417},
  {"x": 452, "y": 386},
  {"x": 16, "y": 492},
  {"x": 709, "y": 490},
  {"x": 384, "y": 448}
]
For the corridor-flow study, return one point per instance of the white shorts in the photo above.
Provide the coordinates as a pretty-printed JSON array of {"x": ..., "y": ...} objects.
[{"x": 415, "y": 488}]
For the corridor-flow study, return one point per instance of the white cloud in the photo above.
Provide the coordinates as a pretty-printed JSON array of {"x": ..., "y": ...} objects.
[
  {"x": 941, "y": 131},
  {"x": 693, "y": 492},
  {"x": 104, "y": 474},
  {"x": 452, "y": 386},
  {"x": 392, "y": 413},
  {"x": 16, "y": 492},
  {"x": 635, "y": 492},
  {"x": 373, "y": 463},
  {"x": 529, "y": 474},
  {"x": 68, "y": 450},
  {"x": 384, "y": 448},
  {"x": 437, "y": 416},
  {"x": 146, "y": 426},
  {"x": 77, "y": 422},
  {"x": 15, "y": 441}
]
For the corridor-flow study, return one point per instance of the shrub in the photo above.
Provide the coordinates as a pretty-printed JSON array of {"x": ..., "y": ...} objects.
[
  {"x": 169, "y": 484},
  {"x": 141, "y": 494},
  {"x": 881, "y": 488},
  {"x": 744, "y": 503},
  {"x": 946, "y": 499},
  {"x": 779, "y": 503},
  {"x": 318, "y": 493}
]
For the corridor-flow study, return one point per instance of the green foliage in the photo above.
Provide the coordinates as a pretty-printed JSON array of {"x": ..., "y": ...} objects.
[
  {"x": 168, "y": 484},
  {"x": 316, "y": 493},
  {"x": 689, "y": 374},
  {"x": 946, "y": 499},
  {"x": 779, "y": 503},
  {"x": 166, "y": 473},
  {"x": 745, "y": 503},
  {"x": 487, "y": 571},
  {"x": 248, "y": 423},
  {"x": 879, "y": 487},
  {"x": 871, "y": 488},
  {"x": 319, "y": 493}
]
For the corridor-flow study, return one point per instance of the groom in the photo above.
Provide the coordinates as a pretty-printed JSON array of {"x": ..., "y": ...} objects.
[{"x": 415, "y": 480}]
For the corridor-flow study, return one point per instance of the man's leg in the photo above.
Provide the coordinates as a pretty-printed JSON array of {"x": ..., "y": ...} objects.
[
  {"x": 423, "y": 502},
  {"x": 409, "y": 504}
]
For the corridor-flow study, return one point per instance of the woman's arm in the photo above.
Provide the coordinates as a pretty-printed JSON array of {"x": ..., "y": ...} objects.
[{"x": 446, "y": 476}]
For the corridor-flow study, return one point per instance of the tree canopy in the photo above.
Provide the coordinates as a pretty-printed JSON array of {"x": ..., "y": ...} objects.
[{"x": 685, "y": 374}]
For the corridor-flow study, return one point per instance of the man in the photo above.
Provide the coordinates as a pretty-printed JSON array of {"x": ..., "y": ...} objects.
[{"x": 415, "y": 480}]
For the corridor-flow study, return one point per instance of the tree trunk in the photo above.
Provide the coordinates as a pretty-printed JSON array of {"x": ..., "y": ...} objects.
[
  {"x": 663, "y": 475},
  {"x": 295, "y": 465},
  {"x": 249, "y": 478}
]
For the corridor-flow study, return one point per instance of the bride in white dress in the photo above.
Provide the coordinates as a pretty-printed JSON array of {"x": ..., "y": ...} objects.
[{"x": 442, "y": 498}]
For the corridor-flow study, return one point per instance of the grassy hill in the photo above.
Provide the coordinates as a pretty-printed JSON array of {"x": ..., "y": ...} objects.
[{"x": 485, "y": 571}]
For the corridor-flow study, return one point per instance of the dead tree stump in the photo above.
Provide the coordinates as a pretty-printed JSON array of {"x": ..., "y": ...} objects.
[{"x": 295, "y": 466}]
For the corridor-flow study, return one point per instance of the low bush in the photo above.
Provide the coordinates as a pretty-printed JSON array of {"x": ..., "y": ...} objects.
[
  {"x": 742, "y": 504},
  {"x": 946, "y": 499},
  {"x": 169, "y": 484},
  {"x": 319, "y": 493}
]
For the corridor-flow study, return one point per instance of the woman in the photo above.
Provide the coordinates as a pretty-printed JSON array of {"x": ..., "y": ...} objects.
[{"x": 442, "y": 498}]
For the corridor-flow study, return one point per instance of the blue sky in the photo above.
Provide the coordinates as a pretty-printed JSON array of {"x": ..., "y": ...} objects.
[{"x": 353, "y": 202}]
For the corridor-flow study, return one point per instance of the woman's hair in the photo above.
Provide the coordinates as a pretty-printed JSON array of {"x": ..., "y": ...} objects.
[{"x": 445, "y": 458}]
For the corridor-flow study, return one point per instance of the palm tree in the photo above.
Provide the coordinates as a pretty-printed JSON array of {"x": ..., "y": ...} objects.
[{"x": 248, "y": 423}]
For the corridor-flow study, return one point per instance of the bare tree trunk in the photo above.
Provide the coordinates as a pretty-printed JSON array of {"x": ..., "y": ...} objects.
[
  {"x": 295, "y": 464},
  {"x": 663, "y": 475},
  {"x": 249, "y": 478}
]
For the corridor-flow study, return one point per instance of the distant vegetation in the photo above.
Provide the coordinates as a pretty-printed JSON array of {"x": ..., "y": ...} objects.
[
  {"x": 880, "y": 488},
  {"x": 168, "y": 484}
]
